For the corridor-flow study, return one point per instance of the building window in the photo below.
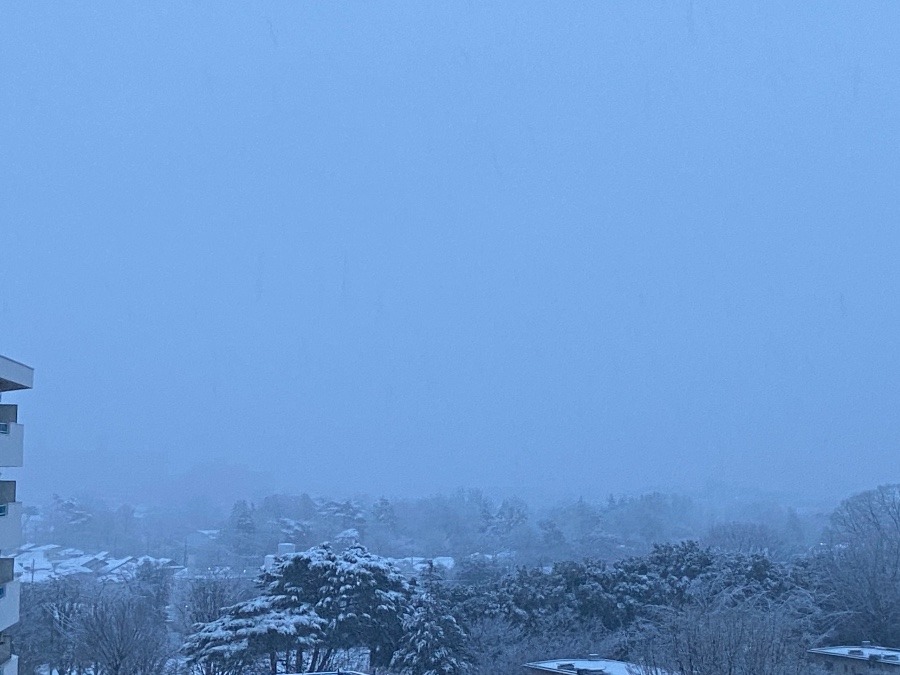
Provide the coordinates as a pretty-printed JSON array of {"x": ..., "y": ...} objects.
[
  {"x": 4, "y": 427},
  {"x": 4, "y": 509}
]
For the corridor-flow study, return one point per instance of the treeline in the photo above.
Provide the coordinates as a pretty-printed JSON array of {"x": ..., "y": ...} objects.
[
  {"x": 681, "y": 607},
  {"x": 457, "y": 525}
]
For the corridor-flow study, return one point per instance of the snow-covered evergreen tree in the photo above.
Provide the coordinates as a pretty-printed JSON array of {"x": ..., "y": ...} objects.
[
  {"x": 313, "y": 605},
  {"x": 270, "y": 627},
  {"x": 240, "y": 532},
  {"x": 433, "y": 643}
]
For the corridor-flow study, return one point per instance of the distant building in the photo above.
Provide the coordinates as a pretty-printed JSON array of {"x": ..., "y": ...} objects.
[
  {"x": 14, "y": 376},
  {"x": 593, "y": 665},
  {"x": 866, "y": 658},
  {"x": 37, "y": 564},
  {"x": 417, "y": 565}
]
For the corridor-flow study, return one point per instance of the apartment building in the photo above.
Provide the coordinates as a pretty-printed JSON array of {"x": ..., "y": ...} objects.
[{"x": 14, "y": 376}]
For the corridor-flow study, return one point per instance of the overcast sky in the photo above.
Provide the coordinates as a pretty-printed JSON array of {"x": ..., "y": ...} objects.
[{"x": 583, "y": 247}]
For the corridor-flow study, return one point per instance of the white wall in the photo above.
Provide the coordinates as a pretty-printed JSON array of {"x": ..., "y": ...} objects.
[
  {"x": 11, "y": 667},
  {"x": 9, "y": 606},
  {"x": 12, "y": 446},
  {"x": 11, "y": 528}
]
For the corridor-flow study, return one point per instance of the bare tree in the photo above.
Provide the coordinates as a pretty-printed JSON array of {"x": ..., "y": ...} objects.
[
  {"x": 46, "y": 635},
  {"x": 723, "y": 632},
  {"x": 498, "y": 647},
  {"x": 203, "y": 599},
  {"x": 861, "y": 566},
  {"x": 737, "y": 537},
  {"x": 123, "y": 630},
  {"x": 121, "y": 634}
]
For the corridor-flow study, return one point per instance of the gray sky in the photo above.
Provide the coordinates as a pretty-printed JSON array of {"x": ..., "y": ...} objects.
[{"x": 403, "y": 247}]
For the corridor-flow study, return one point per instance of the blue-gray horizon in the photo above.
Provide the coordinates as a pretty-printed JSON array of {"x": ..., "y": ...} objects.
[{"x": 405, "y": 247}]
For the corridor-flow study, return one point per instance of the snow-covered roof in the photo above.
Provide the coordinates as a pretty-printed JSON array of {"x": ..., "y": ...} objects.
[
  {"x": 42, "y": 563},
  {"x": 33, "y": 565},
  {"x": 864, "y": 653},
  {"x": 418, "y": 563},
  {"x": 46, "y": 547},
  {"x": 598, "y": 666}
]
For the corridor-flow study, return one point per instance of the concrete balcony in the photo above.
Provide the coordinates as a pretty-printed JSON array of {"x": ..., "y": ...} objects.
[
  {"x": 5, "y": 653},
  {"x": 9, "y": 603},
  {"x": 15, "y": 375},
  {"x": 9, "y": 662},
  {"x": 10, "y": 517},
  {"x": 9, "y": 594},
  {"x": 11, "y": 536},
  {"x": 12, "y": 444}
]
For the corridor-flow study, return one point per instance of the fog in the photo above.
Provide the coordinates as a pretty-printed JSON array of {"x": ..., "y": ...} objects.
[{"x": 400, "y": 248}]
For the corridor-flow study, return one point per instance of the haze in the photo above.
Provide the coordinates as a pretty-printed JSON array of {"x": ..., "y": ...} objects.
[{"x": 398, "y": 248}]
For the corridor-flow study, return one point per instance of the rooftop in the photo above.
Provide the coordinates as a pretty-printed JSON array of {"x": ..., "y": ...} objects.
[
  {"x": 864, "y": 653},
  {"x": 15, "y": 375},
  {"x": 586, "y": 666},
  {"x": 43, "y": 563}
]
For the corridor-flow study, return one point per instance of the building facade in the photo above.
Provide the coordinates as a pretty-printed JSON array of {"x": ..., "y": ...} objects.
[{"x": 14, "y": 376}]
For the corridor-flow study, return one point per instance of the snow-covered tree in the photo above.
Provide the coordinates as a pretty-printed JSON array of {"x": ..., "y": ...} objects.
[
  {"x": 47, "y": 634},
  {"x": 346, "y": 514},
  {"x": 384, "y": 514},
  {"x": 313, "y": 605},
  {"x": 271, "y": 628},
  {"x": 361, "y": 597},
  {"x": 121, "y": 633},
  {"x": 861, "y": 568},
  {"x": 723, "y": 630},
  {"x": 433, "y": 643},
  {"x": 240, "y": 531},
  {"x": 202, "y": 599}
]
